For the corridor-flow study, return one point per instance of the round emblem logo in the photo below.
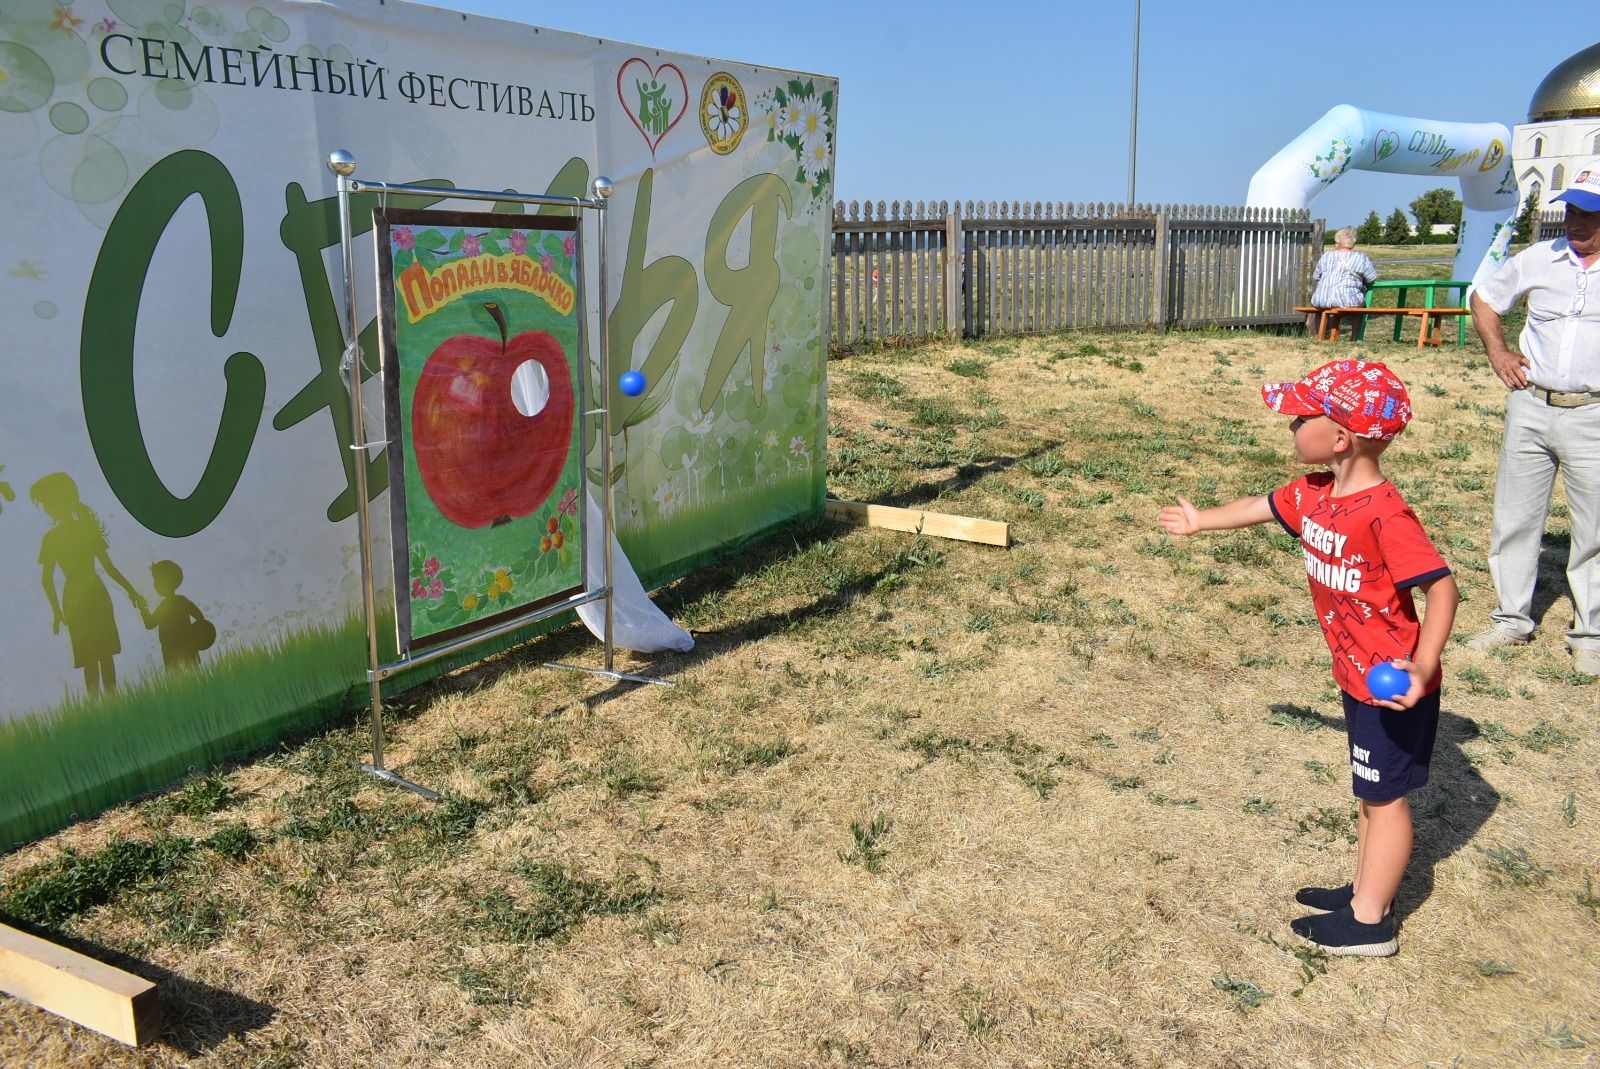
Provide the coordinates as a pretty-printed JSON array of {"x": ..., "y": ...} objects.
[{"x": 724, "y": 114}]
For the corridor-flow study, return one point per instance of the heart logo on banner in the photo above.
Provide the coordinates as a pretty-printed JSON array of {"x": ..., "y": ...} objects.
[
  {"x": 655, "y": 98},
  {"x": 1384, "y": 145}
]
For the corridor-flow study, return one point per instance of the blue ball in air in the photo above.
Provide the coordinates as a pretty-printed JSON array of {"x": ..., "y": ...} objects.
[
  {"x": 1386, "y": 682},
  {"x": 631, "y": 383}
]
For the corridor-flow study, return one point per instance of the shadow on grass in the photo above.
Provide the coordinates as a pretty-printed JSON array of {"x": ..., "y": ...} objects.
[
  {"x": 1550, "y": 586},
  {"x": 1447, "y": 812},
  {"x": 195, "y": 1017},
  {"x": 963, "y": 477},
  {"x": 573, "y": 644}
]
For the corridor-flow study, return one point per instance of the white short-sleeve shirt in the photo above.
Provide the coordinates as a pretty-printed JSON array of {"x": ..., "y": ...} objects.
[{"x": 1562, "y": 336}]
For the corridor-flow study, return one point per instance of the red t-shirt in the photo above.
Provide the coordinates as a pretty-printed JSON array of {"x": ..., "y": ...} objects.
[{"x": 1364, "y": 552}]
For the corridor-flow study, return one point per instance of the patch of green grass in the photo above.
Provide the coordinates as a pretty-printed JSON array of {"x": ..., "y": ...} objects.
[
  {"x": 1032, "y": 763},
  {"x": 196, "y": 798},
  {"x": 976, "y": 1014},
  {"x": 876, "y": 386},
  {"x": 624, "y": 775},
  {"x": 967, "y": 367},
  {"x": 559, "y": 901},
  {"x": 1046, "y": 465},
  {"x": 1246, "y": 995},
  {"x": 1562, "y": 1037},
  {"x": 194, "y": 924},
  {"x": 935, "y": 412},
  {"x": 53, "y": 892},
  {"x": 1478, "y": 682},
  {"x": 1124, "y": 363},
  {"x": 866, "y": 850},
  {"x": 1297, "y": 717},
  {"x": 453, "y": 819},
  {"x": 1261, "y": 807},
  {"x": 733, "y": 755},
  {"x": 1556, "y": 673},
  {"x": 1240, "y": 549},
  {"x": 1587, "y": 898},
  {"x": 338, "y": 815},
  {"x": 1124, "y": 783},
  {"x": 233, "y": 840},
  {"x": 1042, "y": 612},
  {"x": 1332, "y": 822},
  {"x": 978, "y": 622},
  {"x": 1029, "y": 496},
  {"x": 1323, "y": 771},
  {"x": 1546, "y": 736},
  {"x": 487, "y": 988},
  {"x": 1514, "y": 865}
]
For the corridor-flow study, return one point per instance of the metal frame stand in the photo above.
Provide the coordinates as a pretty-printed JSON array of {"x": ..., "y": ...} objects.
[{"x": 343, "y": 166}]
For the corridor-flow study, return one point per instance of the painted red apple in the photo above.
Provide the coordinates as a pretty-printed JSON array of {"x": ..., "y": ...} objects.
[{"x": 492, "y": 423}]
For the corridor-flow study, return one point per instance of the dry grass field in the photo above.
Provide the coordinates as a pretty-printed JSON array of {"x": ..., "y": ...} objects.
[{"x": 914, "y": 802}]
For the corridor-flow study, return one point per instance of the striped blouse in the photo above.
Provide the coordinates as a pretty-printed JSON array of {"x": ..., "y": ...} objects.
[{"x": 1341, "y": 278}]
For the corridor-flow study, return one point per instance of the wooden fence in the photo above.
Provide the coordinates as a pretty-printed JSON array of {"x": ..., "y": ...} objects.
[{"x": 913, "y": 270}]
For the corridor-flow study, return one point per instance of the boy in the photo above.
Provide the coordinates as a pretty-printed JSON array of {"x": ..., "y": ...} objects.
[
  {"x": 1365, "y": 552},
  {"x": 180, "y": 625}
]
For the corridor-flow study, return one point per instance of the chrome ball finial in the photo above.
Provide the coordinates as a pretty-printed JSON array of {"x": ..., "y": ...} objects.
[
  {"x": 341, "y": 163},
  {"x": 603, "y": 188}
]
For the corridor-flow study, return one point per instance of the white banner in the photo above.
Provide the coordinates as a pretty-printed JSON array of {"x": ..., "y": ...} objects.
[{"x": 174, "y": 430}]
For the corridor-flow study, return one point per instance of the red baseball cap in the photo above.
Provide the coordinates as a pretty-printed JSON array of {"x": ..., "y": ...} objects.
[{"x": 1362, "y": 396}]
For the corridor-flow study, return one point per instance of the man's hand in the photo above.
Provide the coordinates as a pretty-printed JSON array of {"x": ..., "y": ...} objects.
[
  {"x": 1510, "y": 367},
  {"x": 1180, "y": 519}
]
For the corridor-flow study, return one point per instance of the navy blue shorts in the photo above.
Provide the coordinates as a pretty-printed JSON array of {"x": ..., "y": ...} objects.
[{"x": 1389, "y": 749}]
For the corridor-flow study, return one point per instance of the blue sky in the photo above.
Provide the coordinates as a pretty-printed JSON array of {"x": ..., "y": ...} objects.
[{"x": 1030, "y": 100}]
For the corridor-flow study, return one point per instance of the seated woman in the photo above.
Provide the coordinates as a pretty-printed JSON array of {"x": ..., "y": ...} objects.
[{"x": 1340, "y": 280}]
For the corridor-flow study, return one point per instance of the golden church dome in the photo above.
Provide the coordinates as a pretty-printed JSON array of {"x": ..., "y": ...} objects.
[{"x": 1569, "y": 91}]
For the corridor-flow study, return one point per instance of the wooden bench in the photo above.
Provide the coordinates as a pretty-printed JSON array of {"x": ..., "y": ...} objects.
[
  {"x": 1327, "y": 318},
  {"x": 1306, "y": 309},
  {"x": 1430, "y": 321}
]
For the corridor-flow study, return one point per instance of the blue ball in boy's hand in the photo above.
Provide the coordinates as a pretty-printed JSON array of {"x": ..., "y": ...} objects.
[
  {"x": 1386, "y": 682},
  {"x": 631, "y": 383}
]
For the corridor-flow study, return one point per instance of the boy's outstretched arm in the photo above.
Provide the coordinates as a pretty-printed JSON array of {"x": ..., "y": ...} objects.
[
  {"x": 1442, "y": 596},
  {"x": 1184, "y": 519}
]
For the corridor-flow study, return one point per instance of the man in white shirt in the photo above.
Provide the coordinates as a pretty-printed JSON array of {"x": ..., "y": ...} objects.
[{"x": 1552, "y": 420}]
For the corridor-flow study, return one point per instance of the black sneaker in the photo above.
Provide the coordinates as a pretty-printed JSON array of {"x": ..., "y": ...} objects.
[
  {"x": 1326, "y": 899},
  {"x": 1340, "y": 933}
]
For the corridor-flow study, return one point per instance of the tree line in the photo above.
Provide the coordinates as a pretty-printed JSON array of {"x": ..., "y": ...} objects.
[{"x": 1436, "y": 207}]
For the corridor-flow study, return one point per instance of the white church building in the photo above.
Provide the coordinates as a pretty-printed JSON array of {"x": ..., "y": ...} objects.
[{"x": 1563, "y": 127}]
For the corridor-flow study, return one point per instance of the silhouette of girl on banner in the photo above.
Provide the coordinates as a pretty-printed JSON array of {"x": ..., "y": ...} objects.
[{"x": 75, "y": 544}]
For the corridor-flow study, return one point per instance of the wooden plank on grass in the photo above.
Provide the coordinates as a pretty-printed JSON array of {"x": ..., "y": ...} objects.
[
  {"x": 937, "y": 524},
  {"x": 79, "y": 988}
]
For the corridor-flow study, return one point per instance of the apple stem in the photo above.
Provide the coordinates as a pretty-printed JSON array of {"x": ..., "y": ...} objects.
[{"x": 499, "y": 318}]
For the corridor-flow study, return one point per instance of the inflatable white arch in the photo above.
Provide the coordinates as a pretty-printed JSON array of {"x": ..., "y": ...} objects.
[{"x": 1354, "y": 139}]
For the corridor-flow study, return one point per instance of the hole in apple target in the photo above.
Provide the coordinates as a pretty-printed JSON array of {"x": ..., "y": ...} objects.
[{"x": 530, "y": 388}]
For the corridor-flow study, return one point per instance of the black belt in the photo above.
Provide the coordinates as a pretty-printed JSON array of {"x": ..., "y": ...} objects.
[{"x": 1557, "y": 399}]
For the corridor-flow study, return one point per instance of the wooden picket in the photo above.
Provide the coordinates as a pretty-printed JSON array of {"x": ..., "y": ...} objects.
[{"x": 914, "y": 270}]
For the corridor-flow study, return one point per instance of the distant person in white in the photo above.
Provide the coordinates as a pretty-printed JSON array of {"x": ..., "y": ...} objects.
[
  {"x": 1552, "y": 420},
  {"x": 1340, "y": 280}
]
